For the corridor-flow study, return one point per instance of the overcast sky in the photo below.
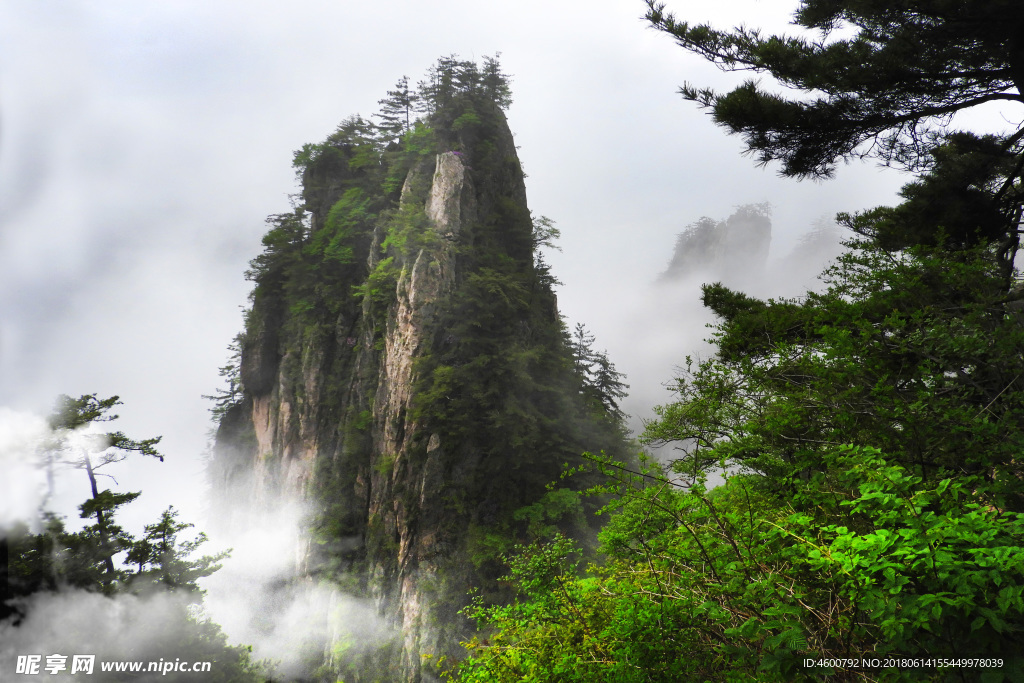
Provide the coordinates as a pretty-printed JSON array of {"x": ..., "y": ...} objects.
[{"x": 142, "y": 144}]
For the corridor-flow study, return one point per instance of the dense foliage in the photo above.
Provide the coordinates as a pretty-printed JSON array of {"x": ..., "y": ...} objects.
[{"x": 869, "y": 436}]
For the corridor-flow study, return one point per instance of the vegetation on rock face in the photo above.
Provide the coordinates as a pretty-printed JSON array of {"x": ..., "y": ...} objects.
[
  {"x": 502, "y": 398},
  {"x": 337, "y": 248},
  {"x": 870, "y": 435}
]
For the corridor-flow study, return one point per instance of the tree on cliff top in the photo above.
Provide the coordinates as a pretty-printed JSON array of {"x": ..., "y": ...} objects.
[
  {"x": 397, "y": 110},
  {"x": 451, "y": 77}
]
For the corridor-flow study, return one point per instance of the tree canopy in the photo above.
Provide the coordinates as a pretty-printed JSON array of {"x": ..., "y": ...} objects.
[{"x": 873, "y": 504}]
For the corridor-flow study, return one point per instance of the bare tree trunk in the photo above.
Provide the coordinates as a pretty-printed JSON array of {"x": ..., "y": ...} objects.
[{"x": 101, "y": 525}]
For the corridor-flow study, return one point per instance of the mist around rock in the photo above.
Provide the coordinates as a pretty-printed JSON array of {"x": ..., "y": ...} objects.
[
  {"x": 660, "y": 319},
  {"x": 737, "y": 252},
  {"x": 262, "y": 596},
  {"x": 258, "y": 599}
]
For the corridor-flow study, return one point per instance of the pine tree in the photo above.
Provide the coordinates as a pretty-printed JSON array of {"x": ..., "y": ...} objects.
[
  {"x": 598, "y": 377},
  {"x": 440, "y": 87},
  {"x": 909, "y": 66},
  {"x": 495, "y": 82},
  {"x": 91, "y": 455},
  {"x": 466, "y": 76},
  {"x": 160, "y": 558},
  {"x": 231, "y": 372},
  {"x": 396, "y": 110}
]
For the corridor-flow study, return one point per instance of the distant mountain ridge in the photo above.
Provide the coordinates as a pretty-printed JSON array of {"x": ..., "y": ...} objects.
[{"x": 739, "y": 242}]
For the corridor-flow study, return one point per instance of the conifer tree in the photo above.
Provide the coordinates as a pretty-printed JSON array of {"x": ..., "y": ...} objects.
[
  {"x": 160, "y": 558},
  {"x": 466, "y": 76},
  {"x": 440, "y": 86},
  {"x": 883, "y": 92},
  {"x": 396, "y": 110},
  {"x": 56, "y": 559},
  {"x": 231, "y": 372},
  {"x": 93, "y": 454},
  {"x": 598, "y": 376},
  {"x": 495, "y": 82}
]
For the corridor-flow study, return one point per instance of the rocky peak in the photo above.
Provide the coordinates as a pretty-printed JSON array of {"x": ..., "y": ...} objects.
[{"x": 405, "y": 372}]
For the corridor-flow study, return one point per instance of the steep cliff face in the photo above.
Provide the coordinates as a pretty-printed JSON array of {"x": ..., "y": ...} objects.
[
  {"x": 399, "y": 468},
  {"x": 405, "y": 370}
]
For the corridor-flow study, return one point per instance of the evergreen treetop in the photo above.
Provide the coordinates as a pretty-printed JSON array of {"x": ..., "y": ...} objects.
[
  {"x": 397, "y": 109},
  {"x": 887, "y": 92}
]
